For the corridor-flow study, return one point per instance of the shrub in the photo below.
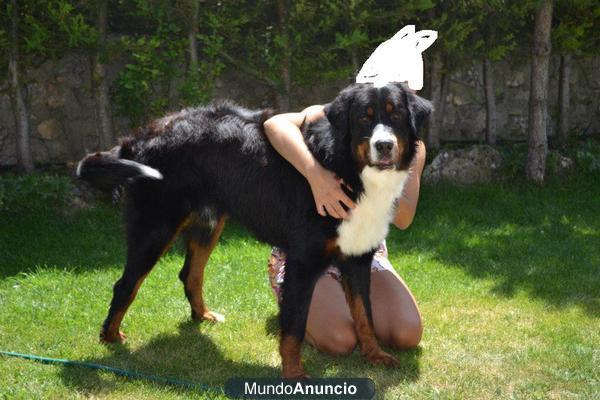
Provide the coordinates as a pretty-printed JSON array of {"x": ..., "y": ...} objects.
[
  {"x": 514, "y": 157},
  {"x": 587, "y": 156},
  {"x": 33, "y": 192}
]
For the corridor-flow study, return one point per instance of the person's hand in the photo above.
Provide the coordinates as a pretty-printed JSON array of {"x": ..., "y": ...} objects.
[
  {"x": 327, "y": 192},
  {"x": 407, "y": 203},
  {"x": 418, "y": 162}
]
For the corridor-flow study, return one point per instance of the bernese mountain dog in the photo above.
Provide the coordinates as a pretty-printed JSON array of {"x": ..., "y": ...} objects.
[{"x": 186, "y": 173}]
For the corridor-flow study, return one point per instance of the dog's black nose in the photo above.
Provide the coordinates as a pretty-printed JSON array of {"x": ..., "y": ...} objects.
[{"x": 384, "y": 146}]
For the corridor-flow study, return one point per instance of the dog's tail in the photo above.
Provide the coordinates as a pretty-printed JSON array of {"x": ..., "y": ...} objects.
[{"x": 105, "y": 170}]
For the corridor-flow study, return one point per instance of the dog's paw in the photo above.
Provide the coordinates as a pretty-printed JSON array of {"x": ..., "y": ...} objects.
[
  {"x": 211, "y": 316},
  {"x": 382, "y": 358},
  {"x": 107, "y": 337},
  {"x": 295, "y": 373}
]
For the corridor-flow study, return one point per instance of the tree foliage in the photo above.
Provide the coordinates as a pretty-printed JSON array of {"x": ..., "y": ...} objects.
[
  {"x": 48, "y": 28},
  {"x": 283, "y": 44},
  {"x": 575, "y": 30}
]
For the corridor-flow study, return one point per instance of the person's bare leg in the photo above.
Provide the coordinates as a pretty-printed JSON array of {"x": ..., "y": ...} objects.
[
  {"x": 330, "y": 328},
  {"x": 396, "y": 315}
]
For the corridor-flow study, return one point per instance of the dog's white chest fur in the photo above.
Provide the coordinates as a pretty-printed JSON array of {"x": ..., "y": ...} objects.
[{"x": 369, "y": 221}]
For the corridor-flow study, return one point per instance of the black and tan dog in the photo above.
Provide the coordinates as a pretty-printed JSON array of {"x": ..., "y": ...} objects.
[{"x": 187, "y": 172}]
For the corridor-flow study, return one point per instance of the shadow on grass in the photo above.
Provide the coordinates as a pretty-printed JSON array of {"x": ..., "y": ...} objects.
[
  {"x": 541, "y": 241},
  {"x": 353, "y": 365},
  {"x": 188, "y": 355},
  {"x": 191, "y": 356},
  {"x": 81, "y": 241}
]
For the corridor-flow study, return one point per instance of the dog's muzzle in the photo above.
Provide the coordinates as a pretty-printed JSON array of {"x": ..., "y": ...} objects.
[{"x": 384, "y": 152}]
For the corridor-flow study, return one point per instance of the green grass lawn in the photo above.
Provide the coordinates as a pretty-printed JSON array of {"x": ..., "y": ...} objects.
[{"x": 507, "y": 278}]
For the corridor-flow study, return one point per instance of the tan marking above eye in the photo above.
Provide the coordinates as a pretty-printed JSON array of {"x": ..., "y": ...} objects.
[
  {"x": 370, "y": 111},
  {"x": 389, "y": 107}
]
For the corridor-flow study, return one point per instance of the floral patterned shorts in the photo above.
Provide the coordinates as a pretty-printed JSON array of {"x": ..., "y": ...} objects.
[{"x": 277, "y": 267}]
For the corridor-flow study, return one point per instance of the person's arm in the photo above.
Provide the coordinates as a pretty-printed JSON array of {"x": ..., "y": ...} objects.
[
  {"x": 407, "y": 205},
  {"x": 283, "y": 131}
]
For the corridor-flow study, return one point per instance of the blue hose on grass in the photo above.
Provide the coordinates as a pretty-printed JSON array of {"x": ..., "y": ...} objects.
[{"x": 117, "y": 371}]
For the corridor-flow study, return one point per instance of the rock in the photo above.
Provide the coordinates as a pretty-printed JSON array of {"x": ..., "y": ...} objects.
[
  {"x": 458, "y": 100},
  {"x": 517, "y": 125},
  {"x": 515, "y": 79},
  {"x": 559, "y": 164},
  {"x": 54, "y": 96},
  {"x": 78, "y": 204},
  {"x": 475, "y": 164},
  {"x": 83, "y": 196},
  {"x": 49, "y": 129}
]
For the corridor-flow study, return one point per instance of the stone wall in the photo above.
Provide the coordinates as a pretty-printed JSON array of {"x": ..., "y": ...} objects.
[
  {"x": 62, "y": 113},
  {"x": 63, "y": 127},
  {"x": 464, "y": 119}
]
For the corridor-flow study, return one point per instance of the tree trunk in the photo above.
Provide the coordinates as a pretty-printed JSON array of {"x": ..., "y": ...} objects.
[
  {"x": 538, "y": 96},
  {"x": 435, "y": 121},
  {"x": 104, "y": 124},
  {"x": 443, "y": 94},
  {"x": 564, "y": 97},
  {"x": 283, "y": 95},
  {"x": 490, "y": 103},
  {"x": 192, "y": 40},
  {"x": 19, "y": 105},
  {"x": 351, "y": 25},
  {"x": 354, "y": 61}
]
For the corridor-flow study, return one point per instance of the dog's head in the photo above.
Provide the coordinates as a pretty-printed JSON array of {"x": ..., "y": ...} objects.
[{"x": 380, "y": 126}]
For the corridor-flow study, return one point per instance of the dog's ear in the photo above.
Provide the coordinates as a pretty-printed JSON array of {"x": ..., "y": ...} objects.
[
  {"x": 419, "y": 109},
  {"x": 338, "y": 111}
]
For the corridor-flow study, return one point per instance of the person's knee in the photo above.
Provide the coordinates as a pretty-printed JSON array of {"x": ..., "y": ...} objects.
[
  {"x": 407, "y": 335},
  {"x": 340, "y": 341}
]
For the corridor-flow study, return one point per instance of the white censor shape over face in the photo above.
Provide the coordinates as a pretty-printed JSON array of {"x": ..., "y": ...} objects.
[{"x": 398, "y": 59}]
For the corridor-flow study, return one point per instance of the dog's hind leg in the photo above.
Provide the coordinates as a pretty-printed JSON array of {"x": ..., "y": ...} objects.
[
  {"x": 298, "y": 285},
  {"x": 201, "y": 238},
  {"x": 356, "y": 281},
  {"x": 147, "y": 240}
]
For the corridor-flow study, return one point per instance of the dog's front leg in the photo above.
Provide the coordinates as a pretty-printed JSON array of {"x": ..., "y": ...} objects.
[
  {"x": 298, "y": 286},
  {"x": 356, "y": 281}
]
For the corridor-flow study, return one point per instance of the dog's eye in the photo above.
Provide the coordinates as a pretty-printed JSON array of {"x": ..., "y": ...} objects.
[
  {"x": 365, "y": 119},
  {"x": 396, "y": 116}
]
